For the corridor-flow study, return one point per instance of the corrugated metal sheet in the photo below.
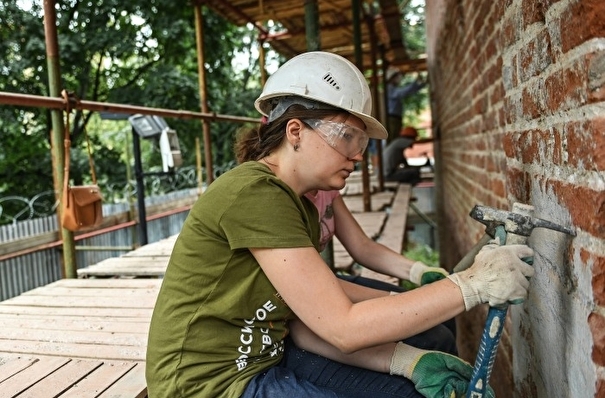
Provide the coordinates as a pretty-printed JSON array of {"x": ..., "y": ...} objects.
[{"x": 29, "y": 271}]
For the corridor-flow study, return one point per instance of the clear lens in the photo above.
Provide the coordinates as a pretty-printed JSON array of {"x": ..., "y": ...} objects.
[{"x": 347, "y": 140}]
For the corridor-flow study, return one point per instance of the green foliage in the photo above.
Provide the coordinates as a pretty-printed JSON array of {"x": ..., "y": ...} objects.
[
  {"x": 137, "y": 52},
  {"x": 140, "y": 52},
  {"x": 424, "y": 253},
  {"x": 25, "y": 151},
  {"x": 413, "y": 29}
]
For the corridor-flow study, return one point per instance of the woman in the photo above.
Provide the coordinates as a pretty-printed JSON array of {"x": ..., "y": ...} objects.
[{"x": 245, "y": 269}]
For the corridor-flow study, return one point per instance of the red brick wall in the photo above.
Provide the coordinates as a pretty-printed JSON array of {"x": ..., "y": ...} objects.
[{"x": 518, "y": 103}]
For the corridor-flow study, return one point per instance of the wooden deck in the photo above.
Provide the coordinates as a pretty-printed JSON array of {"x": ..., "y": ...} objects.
[
  {"x": 77, "y": 338},
  {"x": 87, "y": 337},
  {"x": 393, "y": 233},
  {"x": 37, "y": 377},
  {"x": 147, "y": 261}
]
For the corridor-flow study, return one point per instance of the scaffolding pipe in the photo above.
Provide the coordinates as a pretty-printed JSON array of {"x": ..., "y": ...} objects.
[
  {"x": 201, "y": 69},
  {"x": 312, "y": 25},
  {"x": 375, "y": 97},
  {"x": 365, "y": 177},
  {"x": 36, "y": 101},
  {"x": 58, "y": 133}
]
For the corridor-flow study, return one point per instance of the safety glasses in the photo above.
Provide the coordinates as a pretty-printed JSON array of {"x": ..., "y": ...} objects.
[{"x": 347, "y": 140}]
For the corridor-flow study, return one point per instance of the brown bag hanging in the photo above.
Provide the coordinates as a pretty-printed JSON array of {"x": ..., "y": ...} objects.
[{"x": 82, "y": 205}]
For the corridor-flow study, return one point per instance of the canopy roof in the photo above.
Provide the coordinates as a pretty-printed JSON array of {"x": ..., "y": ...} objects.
[{"x": 336, "y": 27}]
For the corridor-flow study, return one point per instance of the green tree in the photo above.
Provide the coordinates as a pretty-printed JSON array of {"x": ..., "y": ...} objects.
[
  {"x": 140, "y": 52},
  {"x": 413, "y": 28},
  {"x": 137, "y": 52},
  {"x": 25, "y": 147}
]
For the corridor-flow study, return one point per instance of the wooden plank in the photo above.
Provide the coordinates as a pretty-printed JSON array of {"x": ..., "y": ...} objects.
[
  {"x": 127, "y": 266},
  {"x": 145, "y": 261},
  {"x": 28, "y": 242},
  {"x": 132, "y": 385},
  {"x": 100, "y": 380},
  {"x": 125, "y": 325},
  {"x": 148, "y": 261},
  {"x": 379, "y": 201},
  {"x": 162, "y": 248},
  {"x": 73, "y": 336},
  {"x": 371, "y": 223},
  {"x": 393, "y": 233},
  {"x": 124, "y": 293},
  {"x": 394, "y": 229},
  {"x": 10, "y": 366},
  {"x": 63, "y": 378},
  {"x": 142, "y": 259},
  {"x": 105, "y": 283},
  {"x": 21, "y": 381},
  {"x": 68, "y": 350},
  {"x": 54, "y": 301},
  {"x": 122, "y": 271},
  {"x": 77, "y": 312}
]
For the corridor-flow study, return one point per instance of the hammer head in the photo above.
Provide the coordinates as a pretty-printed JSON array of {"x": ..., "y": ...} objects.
[{"x": 515, "y": 223}]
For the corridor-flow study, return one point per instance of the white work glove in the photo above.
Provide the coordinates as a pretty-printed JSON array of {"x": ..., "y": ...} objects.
[
  {"x": 421, "y": 274},
  {"x": 497, "y": 276}
]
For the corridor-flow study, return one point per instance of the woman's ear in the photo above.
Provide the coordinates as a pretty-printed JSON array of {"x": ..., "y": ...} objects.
[{"x": 294, "y": 128}]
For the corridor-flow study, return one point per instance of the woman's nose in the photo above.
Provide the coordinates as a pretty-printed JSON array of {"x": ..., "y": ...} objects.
[{"x": 357, "y": 158}]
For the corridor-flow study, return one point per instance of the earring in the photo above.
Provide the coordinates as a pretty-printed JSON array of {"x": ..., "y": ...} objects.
[{"x": 296, "y": 146}]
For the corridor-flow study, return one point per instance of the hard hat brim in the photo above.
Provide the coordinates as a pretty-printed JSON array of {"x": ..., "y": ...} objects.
[{"x": 374, "y": 128}]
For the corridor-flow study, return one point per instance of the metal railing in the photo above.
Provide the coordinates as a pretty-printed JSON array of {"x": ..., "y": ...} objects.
[{"x": 30, "y": 250}]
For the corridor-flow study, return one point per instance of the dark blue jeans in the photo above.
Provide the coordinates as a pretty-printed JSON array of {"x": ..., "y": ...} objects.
[{"x": 302, "y": 374}]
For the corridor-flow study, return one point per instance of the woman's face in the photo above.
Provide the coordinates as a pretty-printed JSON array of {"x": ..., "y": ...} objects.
[{"x": 334, "y": 146}]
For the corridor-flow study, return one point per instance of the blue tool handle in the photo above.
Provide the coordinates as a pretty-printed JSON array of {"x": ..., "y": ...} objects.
[{"x": 488, "y": 348}]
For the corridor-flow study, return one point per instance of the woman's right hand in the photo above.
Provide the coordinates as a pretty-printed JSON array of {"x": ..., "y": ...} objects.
[{"x": 497, "y": 276}]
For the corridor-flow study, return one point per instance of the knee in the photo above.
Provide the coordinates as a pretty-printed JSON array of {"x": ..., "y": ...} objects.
[{"x": 439, "y": 338}]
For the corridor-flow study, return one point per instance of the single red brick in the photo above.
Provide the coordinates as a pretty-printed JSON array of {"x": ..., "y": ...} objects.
[
  {"x": 518, "y": 184},
  {"x": 600, "y": 389},
  {"x": 586, "y": 206},
  {"x": 565, "y": 89},
  {"x": 532, "y": 12},
  {"x": 597, "y": 326},
  {"x": 598, "y": 141},
  {"x": 582, "y": 21},
  {"x": 598, "y": 279}
]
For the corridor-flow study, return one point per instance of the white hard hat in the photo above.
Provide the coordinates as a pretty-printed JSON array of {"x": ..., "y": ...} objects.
[{"x": 327, "y": 78}]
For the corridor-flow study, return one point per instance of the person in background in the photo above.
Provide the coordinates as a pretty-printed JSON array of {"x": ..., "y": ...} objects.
[
  {"x": 394, "y": 163},
  {"x": 336, "y": 219},
  {"x": 396, "y": 93},
  {"x": 247, "y": 306}
]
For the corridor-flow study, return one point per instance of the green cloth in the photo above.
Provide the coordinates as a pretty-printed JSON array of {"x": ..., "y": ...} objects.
[
  {"x": 431, "y": 276},
  {"x": 218, "y": 321},
  {"x": 434, "y": 374}
]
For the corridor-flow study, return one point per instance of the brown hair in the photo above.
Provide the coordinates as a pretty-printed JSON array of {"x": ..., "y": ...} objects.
[{"x": 256, "y": 143}]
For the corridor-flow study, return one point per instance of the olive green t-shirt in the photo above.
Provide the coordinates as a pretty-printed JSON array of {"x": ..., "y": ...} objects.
[{"x": 218, "y": 321}]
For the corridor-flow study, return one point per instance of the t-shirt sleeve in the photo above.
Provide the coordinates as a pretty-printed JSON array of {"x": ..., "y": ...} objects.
[{"x": 266, "y": 214}]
